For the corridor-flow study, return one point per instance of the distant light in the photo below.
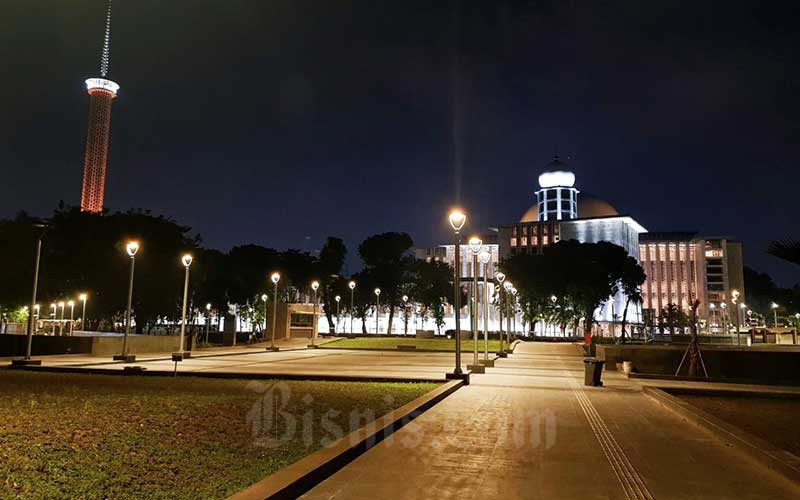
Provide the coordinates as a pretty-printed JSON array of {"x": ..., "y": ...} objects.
[
  {"x": 132, "y": 248},
  {"x": 264, "y": 297},
  {"x": 377, "y": 291},
  {"x": 315, "y": 285},
  {"x": 337, "y": 298},
  {"x": 187, "y": 260},
  {"x": 103, "y": 84},
  {"x": 475, "y": 244},
  {"x": 275, "y": 278},
  {"x": 557, "y": 179},
  {"x": 485, "y": 256},
  {"x": 500, "y": 277},
  {"x": 352, "y": 285},
  {"x": 82, "y": 297}
]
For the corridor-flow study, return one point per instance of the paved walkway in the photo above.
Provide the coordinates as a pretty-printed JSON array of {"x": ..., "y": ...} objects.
[
  {"x": 294, "y": 359},
  {"x": 604, "y": 443}
]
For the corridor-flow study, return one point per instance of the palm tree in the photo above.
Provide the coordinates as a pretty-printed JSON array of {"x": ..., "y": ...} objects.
[{"x": 788, "y": 250}]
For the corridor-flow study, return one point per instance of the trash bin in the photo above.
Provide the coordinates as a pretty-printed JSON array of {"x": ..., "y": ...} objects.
[{"x": 593, "y": 370}]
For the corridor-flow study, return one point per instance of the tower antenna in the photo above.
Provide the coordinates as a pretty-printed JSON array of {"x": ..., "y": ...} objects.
[{"x": 105, "y": 56}]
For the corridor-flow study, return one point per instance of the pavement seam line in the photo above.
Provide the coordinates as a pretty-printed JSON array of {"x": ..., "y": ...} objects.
[{"x": 632, "y": 483}]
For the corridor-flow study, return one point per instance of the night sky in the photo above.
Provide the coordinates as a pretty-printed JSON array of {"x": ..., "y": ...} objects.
[{"x": 283, "y": 122}]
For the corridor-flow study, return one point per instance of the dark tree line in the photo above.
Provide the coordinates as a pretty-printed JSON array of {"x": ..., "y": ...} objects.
[{"x": 86, "y": 253}]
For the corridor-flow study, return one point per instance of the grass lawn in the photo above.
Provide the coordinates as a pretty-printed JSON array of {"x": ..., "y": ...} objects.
[
  {"x": 107, "y": 436},
  {"x": 438, "y": 344}
]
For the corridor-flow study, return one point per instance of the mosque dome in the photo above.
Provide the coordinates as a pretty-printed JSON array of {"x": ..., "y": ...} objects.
[{"x": 588, "y": 206}]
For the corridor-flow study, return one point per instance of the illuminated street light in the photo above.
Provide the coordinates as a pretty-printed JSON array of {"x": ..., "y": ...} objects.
[
  {"x": 501, "y": 277},
  {"x": 774, "y": 307},
  {"x": 40, "y": 228},
  {"x": 377, "y": 292},
  {"x": 314, "y": 287},
  {"x": 132, "y": 248},
  {"x": 275, "y": 279},
  {"x": 338, "y": 299},
  {"x": 208, "y": 321},
  {"x": 352, "y": 286},
  {"x": 508, "y": 286},
  {"x": 405, "y": 314},
  {"x": 182, "y": 353},
  {"x": 71, "y": 305},
  {"x": 457, "y": 220},
  {"x": 83, "y": 297},
  {"x": 475, "y": 245},
  {"x": 61, "y": 324},
  {"x": 485, "y": 257}
]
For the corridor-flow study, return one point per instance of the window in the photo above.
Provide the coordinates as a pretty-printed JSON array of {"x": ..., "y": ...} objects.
[
  {"x": 552, "y": 205},
  {"x": 301, "y": 320}
]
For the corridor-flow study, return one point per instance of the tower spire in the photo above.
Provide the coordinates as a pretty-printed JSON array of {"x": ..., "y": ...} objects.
[{"x": 105, "y": 56}]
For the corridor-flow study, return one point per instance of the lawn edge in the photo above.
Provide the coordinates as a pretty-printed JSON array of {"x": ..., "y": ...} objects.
[
  {"x": 781, "y": 461},
  {"x": 301, "y": 476}
]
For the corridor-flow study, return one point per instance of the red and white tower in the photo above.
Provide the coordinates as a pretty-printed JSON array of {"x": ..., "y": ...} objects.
[{"x": 101, "y": 93}]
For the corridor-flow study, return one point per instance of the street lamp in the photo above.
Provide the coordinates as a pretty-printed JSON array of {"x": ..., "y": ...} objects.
[
  {"x": 208, "y": 320},
  {"x": 83, "y": 297},
  {"x": 338, "y": 298},
  {"x": 61, "y": 324},
  {"x": 774, "y": 307},
  {"x": 508, "y": 286},
  {"x": 405, "y": 314},
  {"x": 377, "y": 309},
  {"x": 352, "y": 286},
  {"x": 182, "y": 353},
  {"x": 724, "y": 307},
  {"x": 475, "y": 245},
  {"x": 314, "y": 287},
  {"x": 712, "y": 319},
  {"x": 31, "y": 325},
  {"x": 457, "y": 219},
  {"x": 501, "y": 277},
  {"x": 276, "y": 277},
  {"x": 734, "y": 299},
  {"x": 132, "y": 248},
  {"x": 485, "y": 257},
  {"x": 264, "y": 299},
  {"x": 71, "y": 305},
  {"x": 514, "y": 295}
]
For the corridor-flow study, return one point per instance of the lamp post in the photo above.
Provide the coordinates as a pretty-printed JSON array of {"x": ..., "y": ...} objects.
[
  {"x": 734, "y": 299},
  {"x": 182, "y": 353},
  {"x": 774, "y": 307},
  {"x": 83, "y": 297},
  {"x": 457, "y": 220},
  {"x": 475, "y": 245},
  {"x": 514, "y": 304},
  {"x": 54, "y": 306},
  {"x": 208, "y": 320},
  {"x": 132, "y": 248},
  {"x": 338, "y": 299},
  {"x": 71, "y": 305},
  {"x": 61, "y": 319},
  {"x": 507, "y": 287},
  {"x": 405, "y": 314},
  {"x": 712, "y": 309},
  {"x": 314, "y": 288},
  {"x": 485, "y": 257},
  {"x": 377, "y": 309},
  {"x": 501, "y": 277},
  {"x": 724, "y": 308},
  {"x": 264, "y": 299},
  {"x": 554, "y": 299},
  {"x": 352, "y": 286},
  {"x": 275, "y": 278},
  {"x": 31, "y": 325}
]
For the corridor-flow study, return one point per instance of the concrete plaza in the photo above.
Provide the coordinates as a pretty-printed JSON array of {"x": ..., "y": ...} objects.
[{"x": 610, "y": 442}]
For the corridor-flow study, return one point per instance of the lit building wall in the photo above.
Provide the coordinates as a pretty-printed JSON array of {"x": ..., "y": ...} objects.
[{"x": 684, "y": 267}]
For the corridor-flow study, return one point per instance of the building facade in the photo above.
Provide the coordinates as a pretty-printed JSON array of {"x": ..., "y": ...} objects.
[{"x": 682, "y": 267}]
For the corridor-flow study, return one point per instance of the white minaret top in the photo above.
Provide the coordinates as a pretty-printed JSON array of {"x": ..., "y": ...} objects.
[{"x": 557, "y": 195}]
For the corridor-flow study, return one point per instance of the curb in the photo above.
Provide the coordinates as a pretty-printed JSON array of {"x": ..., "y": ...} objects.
[
  {"x": 228, "y": 375},
  {"x": 300, "y": 477},
  {"x": 777, "y": 459},
  {"x": 715, "y": 380}
]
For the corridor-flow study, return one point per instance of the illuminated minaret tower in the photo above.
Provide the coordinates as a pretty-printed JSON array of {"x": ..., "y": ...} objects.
[{"x": 101, "y": 93}]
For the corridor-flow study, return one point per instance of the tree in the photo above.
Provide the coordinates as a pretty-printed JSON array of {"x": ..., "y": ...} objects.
[
  {"x": 329, "y": 267},
  {"x": 673, "y": 317},
  {"x": 631, "y": 279},
  {"x": 432, "y": 287},
  {"x": 386, "y": 259}
]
